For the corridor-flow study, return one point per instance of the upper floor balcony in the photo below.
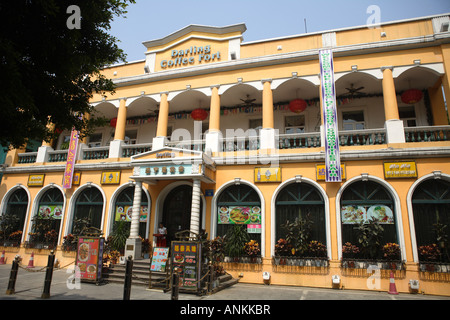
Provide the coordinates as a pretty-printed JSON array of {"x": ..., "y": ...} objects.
[{"x": 254, "y": 116}]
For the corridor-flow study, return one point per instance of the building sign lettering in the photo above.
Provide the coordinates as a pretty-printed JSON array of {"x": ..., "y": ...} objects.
[{"x": 189, "y": 56}]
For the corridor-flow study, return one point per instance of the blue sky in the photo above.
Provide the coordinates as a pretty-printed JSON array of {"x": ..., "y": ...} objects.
[{"x": 149, "y": 19}]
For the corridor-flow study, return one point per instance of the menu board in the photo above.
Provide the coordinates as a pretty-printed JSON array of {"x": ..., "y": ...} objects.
[
  {"x": 239, "y": 215},
  {"x": 159, "y": 259},
  {"x": 89, "y": 258},
  {"x": 186, "y": 256}
]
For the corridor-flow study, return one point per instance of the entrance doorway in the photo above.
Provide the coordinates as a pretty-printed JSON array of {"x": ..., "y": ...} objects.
[{"x": 177, "y": 211}]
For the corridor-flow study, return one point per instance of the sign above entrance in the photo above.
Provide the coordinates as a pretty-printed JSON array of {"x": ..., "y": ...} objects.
[{"x": 172, "y": 164}]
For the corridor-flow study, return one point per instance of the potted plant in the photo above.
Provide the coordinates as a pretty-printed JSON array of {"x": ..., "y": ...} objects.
[
  {"x": 370, "y": 236},
  {"x": 15, "y": 237},
  {"x": 119, "y": 236},
  {"x": 429, "y": 253},
  {"x": 391, "y": 251},
  {"x": 51, "y": 237},
  {"x": 251, "y": 248},
  {"x": 350, "y": 251},
  {"x": 235, "y": 240},
  {"x": 69, "y": 243},
  {"x": 217, "y": 249},
  {"x": 298, "y": 234},
  {"x": 282, "y": 249}
]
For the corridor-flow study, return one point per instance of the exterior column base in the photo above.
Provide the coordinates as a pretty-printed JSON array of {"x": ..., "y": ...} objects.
[
  {"x": 133, "y": 248},
  {"x": 115, "y": 149},
  {"x": 42, "y": 155},
  {"x": 395, "y": 132},
  {"x": 159, "y": 143},
  {"x": 267, "y": 139},
  {"x": 212, "y": 142}
]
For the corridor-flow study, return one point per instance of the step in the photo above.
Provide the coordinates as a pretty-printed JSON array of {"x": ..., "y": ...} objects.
[{"x": 141, "y": 276}]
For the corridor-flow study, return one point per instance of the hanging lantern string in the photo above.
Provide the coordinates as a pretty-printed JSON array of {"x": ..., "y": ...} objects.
[{"x": 254, "y": 108}]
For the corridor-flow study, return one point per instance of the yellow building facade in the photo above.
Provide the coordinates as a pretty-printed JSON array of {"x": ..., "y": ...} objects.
[{"x": 209, "y": 131}]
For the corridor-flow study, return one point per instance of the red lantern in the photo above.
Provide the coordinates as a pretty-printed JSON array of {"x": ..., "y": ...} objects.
[
  {"x": 297, "y": 105},
  {"x": 58, "y": 131},
  {"x": 199, "y": 114},
  {"x": 412, "y": 96},
  {"x": 113, "y": 122}
]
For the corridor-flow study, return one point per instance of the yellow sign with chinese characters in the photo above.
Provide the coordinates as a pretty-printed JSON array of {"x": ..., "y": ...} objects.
[
  {"x": 36, "y": 180},
  {"x": 400, "y": 169},
  {"x": 268, "y": 174},
  {"x": 321, "y": 172},
  {"x": 110, "y": 177}
]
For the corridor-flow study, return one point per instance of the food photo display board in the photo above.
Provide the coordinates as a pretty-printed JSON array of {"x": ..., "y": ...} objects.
[
  {"x": 186, "y": 256},
  {"x": 90, "y": 258}
]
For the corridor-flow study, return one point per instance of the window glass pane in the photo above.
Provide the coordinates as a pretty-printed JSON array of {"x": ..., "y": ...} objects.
[{"x": 353, "y": 120}]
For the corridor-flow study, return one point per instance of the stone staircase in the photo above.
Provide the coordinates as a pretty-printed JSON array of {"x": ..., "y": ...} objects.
[{"x": 159, "y": 280}]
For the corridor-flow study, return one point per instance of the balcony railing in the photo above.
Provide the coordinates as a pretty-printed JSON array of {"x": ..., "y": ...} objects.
[
  {"x": 96, "y": 153},
  {"x": 362, "y": 137},
  {"x": 27, "y": 157},
  {"x": 57, "y": 156},
  {"x": 366, "y": 137},
  {"x": 299, "y": 140},
  {"x": 195, "y": 145},
  {"x": 134, "y": 149},
  {"x": 240, "y": 144},
  {"x": 427, "y": 134}
]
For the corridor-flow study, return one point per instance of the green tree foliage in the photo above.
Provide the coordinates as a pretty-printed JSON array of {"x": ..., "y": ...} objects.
[{"x": 48, "y": 71}]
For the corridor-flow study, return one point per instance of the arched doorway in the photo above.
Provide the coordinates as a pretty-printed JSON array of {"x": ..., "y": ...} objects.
[{"x": 177, "y": 211}]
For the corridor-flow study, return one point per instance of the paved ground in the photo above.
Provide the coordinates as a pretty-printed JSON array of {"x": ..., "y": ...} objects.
[{"x": 29, "y": 286}]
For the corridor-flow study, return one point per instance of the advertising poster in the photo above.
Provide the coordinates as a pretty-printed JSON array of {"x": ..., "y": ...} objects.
[
  {"x": 50, "y": 212},
  {"x": 186, "y": 256},
  {"x": 359, "y": 214},
  {"x": 124, "y": 213},
  {"x": 328, "y": 92},
  {"x": 159, "y": 259},
  {"x": 71, "y": 158},
  {"x": 89, "y": 258},
  {"x": 239, "y": 215}
]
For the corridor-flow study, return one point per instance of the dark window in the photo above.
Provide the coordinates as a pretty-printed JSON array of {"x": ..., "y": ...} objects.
[
  {"x": 431, "y": 211},
  {"x": 362, "y": 202}
]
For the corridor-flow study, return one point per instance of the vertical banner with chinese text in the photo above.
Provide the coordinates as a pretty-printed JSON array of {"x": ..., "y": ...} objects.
[
  {"x": 71, "y": 157},
  {"x": 332, "y": 156}
]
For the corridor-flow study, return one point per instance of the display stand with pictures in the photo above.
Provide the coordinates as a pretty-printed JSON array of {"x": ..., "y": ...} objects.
[
  {"x": 186, "y": 256},
  {"x": 158, "y": 265},
  {"x": 89, "y": 260}
]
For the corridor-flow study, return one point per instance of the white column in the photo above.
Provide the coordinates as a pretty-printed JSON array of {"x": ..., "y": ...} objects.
[
  {"x": 195, "y": 209},
  {"x": 134, "y": 230},
  {"x": 133, "y": 246}
]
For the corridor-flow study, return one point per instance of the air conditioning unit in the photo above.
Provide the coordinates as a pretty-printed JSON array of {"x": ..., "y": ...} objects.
[{"x": 414, "y": 284}]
